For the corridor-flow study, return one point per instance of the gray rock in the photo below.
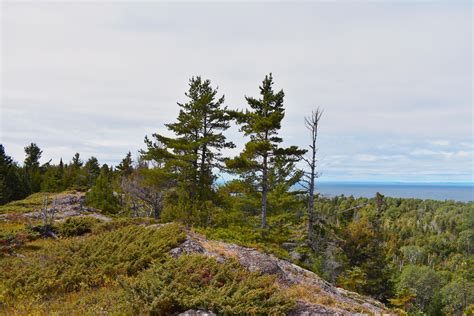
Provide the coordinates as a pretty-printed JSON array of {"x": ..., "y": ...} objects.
[
  {"x": 254, "y": 260},
  {"x": 70, "y": 205},
  {"x": 189, "y": 246},
  {"x": 304, "y": 309}
]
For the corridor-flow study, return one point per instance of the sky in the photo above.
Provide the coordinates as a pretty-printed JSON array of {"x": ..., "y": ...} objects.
[{"x": 394, "y": 78}]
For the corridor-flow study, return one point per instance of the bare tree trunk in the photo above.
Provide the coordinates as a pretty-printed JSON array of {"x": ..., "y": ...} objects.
[
  {"x": 312, "y": 125},
  {"x": 311, "y": 216}
]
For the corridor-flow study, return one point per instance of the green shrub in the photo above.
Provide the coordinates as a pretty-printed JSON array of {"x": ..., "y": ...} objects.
[
  {"x": 101, "y": 194},
  {"x": 266, "y": 240},
  {"x": 70, "y": 265},
  {"x": 199, "y": 282},
  {"x": 14, "y": 235},
  {"x": 124, "y": 222},
  {"x": 76, "y": 226}
]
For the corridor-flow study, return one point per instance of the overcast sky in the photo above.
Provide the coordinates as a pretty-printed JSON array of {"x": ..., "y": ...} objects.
[{"x": 394, "y": 78}]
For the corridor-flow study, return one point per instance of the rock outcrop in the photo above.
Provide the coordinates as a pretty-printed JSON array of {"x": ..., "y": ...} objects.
[
  {"x": 314, "y": 295},
  {"x": 65, "y": 205}
]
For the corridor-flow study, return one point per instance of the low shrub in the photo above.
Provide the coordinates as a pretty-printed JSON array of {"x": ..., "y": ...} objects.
[
  {"x": 123, "y": 222},
  {"x": 199, "y": 282},
  {"x": 13, "y": 235},
  {"x": 76, "y": 226},
  {"x": 72, "y": 264},
  {"x": 266, "y": 240},
  {"x": 106, "y": 300}
]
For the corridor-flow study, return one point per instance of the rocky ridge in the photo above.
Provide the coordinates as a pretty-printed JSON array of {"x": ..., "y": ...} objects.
[
  {"x": 314, "y": 295},
  {"x": 63, "y": 205}
]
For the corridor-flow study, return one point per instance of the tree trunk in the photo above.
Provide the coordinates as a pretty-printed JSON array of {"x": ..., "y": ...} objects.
[
  {"x": 312, "y": 125},
  {"x": 264, "y": 192},
  {"x": 311, "y": 193},
  {"x": 203, "y": 176},
  {"x": 203, "y": 170}
]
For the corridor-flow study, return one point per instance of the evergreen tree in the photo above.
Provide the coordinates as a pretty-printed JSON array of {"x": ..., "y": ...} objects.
[
  {"x": 10, "y": 182},
  {"x": 101, "y": 195},
  {"x": 61, "y": 171},
  {"x": 73, "y": 177},
  {"x": 125, "y": 168},
  {"x": 262, "y": 123},
  {"x": 281, "y": 178},
  {"x": 33, "y": 155},
  {"x": 91, "y": 170},
  {"x": 76, "y": 161},
  {"x": 32, "y": 167},
  {"x": 195, "y": 150},
  {"x": 52, "y": 180}
]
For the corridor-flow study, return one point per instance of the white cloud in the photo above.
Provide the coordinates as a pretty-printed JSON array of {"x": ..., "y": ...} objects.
[
  {"x": 439, "y": 142},
  {"x": 97, "y": 77}
]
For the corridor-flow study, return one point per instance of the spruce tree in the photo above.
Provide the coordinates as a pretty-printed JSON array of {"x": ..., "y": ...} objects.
[
  {"x": 61, "y": 173},
  {"x": 74, "y": 177},
  {"x": 76, "y": 161},
  {"x": 91, "y": 170},
  {"x": 195, "y": 150},
  {"x": 125, "y": 168},
  {"x": 10, "y": 183},
  {"x": 32, "y": 167},
  {"x": 52, "y": 180},
  {"x": 101, "y": 194},
  {"x": 262, "y": 123},
  {"x": 33, "y": 155}
]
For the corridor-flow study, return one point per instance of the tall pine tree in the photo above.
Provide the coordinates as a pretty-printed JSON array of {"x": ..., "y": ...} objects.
[
  {"x": 125, "y": 168},
  {"x": 195, "y": 151},
  {"x": 262, "y": 123}
]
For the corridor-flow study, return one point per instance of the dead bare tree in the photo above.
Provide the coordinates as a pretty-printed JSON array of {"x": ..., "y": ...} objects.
[
  {"x": 47, "y": 216},
  {"x": 309, "y": 177},
  {"x": 145, "y": 190}
]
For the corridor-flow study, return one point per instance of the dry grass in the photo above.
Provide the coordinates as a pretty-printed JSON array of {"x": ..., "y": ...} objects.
[
  {"x": 219, "y": 248},
  {"x": 313, "y": 294}
]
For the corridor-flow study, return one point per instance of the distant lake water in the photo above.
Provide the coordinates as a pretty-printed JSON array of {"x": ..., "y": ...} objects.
[{"x": 457, "y": 192}]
